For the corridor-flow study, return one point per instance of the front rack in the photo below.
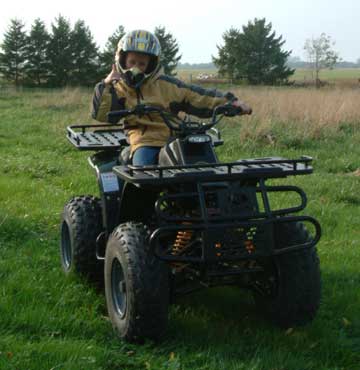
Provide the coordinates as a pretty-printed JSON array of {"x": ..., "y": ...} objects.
[
  {"x": 246, "y": 168},
  {"x": 234, "y": 223},
  {"x": 96, "y": 137}
]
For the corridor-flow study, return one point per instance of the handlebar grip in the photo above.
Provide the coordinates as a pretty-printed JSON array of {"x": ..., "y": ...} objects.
[
  {"x": 237, "y": 111},
  {"x": 247, "y": 112},
  {"x": 231, "y": 111}
]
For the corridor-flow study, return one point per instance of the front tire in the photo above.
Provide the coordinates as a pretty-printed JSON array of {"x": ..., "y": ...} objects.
[
  {"x": 289, "y": 289},
  {"x": 81, "y": 223},
  {"x": 136, "y": 285}
]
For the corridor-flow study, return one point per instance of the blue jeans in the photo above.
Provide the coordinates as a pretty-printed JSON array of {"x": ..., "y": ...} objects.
[{"x": 146, "y": 155}]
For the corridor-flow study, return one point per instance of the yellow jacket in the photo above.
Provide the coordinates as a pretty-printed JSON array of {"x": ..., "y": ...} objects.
[{"x": 162, "y": 91}]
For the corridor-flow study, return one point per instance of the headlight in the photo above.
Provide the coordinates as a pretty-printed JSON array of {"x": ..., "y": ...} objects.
[{"x": 198, "y": 139}]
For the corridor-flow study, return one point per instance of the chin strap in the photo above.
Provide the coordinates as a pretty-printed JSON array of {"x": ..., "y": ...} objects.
[{"x": 139, "y": 95}]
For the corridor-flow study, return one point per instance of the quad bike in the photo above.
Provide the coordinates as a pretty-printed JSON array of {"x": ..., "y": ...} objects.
[{"x": 189, "y": 222}]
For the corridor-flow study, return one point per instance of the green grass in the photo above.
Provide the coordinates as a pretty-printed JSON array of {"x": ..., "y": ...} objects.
[{"x": 48, "y": 321}]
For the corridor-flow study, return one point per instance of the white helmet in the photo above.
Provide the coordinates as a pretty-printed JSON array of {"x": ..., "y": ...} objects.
[{"x": 138, "y": 41}]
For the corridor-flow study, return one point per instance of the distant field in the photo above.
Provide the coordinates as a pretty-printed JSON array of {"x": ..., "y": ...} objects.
[
  {"x": 50, "y": 322},
  {"x": 334, "y": 74},
  {"x": 192, "y": 74},
  {"x": 339, "y": 76}
]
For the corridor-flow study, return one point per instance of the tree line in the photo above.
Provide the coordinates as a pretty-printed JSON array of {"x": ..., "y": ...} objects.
[
  {"x": 297, "y": 62},
  {"x": 69, "y": 55},
  {"x": 66, "y": 55}
]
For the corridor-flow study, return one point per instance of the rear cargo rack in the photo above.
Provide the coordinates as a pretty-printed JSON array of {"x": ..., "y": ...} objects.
[
  {"x": 96, "y": 137},
  {"x": 245, "y": 168}
]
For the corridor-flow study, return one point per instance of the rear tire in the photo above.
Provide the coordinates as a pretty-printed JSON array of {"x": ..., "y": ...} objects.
[
  {"x": 289, "y": 289},
  {"x": 81, "y": 224},
  {"x": 136, "y": 285}
]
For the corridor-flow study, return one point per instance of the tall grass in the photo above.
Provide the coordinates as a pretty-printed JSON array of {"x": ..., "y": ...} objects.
[
  {"x": 306, "y": 113},
  {"x": 311, "y": 108}
]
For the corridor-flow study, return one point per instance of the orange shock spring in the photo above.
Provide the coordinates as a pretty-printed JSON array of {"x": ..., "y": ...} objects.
[{"x": 181, "y": 241}]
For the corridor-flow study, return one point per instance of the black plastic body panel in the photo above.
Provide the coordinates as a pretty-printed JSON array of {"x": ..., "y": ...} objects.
[
  {"x": 110, "y": 187},
  {"x": 182, "y": 152}
]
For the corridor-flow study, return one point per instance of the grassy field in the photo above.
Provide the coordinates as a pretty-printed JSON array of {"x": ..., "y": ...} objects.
[{"x": 48, "y": 321}]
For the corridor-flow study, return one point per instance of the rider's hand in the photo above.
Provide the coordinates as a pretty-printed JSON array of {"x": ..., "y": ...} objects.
[
  {"x": 114, "y": 75},
  {"x": 245, "y": 109}
]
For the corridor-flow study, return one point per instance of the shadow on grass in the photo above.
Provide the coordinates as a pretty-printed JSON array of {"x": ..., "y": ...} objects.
[{"x": 215, "y": 314}]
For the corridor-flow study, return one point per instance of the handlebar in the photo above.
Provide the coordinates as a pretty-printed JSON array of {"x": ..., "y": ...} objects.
[{"x": 173, "y": 122}]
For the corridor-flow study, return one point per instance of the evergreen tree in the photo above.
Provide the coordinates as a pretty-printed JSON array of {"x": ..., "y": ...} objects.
[
  {"x": 37, "y": 64},
  {"x": 60, "y": 52},
  {"x": 84, "y": 55},
  {"x": 107, "y": 56},
  {"x": 254, "y": 54},
  {"x": 13, "y": 55},
  {"x": 169, "y": 50},
  {"x": 227, "y": 60}
]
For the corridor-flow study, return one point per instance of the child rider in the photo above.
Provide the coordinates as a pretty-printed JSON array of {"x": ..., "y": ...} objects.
[{"x": 137, "y": 77}]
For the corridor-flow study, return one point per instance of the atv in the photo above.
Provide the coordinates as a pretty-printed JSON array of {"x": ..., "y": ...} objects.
[{"x": 188, "y": 223}]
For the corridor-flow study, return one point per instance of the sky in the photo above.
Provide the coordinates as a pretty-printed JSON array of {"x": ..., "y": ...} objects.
[{"x": 198, "y": 26}]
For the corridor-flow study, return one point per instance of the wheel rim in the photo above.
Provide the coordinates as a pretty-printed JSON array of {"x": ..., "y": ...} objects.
[
  {"x": 118, "y": 288},
  {"x": 66, "y": 254}
]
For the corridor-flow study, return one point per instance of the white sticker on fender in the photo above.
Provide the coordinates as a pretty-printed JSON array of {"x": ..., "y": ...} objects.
[{"x": 109, "y": 182}]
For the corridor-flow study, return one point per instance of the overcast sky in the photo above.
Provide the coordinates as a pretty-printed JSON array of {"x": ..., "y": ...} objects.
[{"x": 198, "y": 25}]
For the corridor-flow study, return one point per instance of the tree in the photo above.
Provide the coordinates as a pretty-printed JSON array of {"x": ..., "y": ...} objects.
[
  {"x": 227, "y": 60},
  {"x": 12, "y": 59},
  {"x": 84, "y": 55},
  {"x": 107, "y": 56},
  {"x": 169, "y": 50},
  {"x": 60, "y": 52},
  {"x": 37, "y": 64},
  {"x": 320, "y": 54},
  {"x": 255, "y": 54}
]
